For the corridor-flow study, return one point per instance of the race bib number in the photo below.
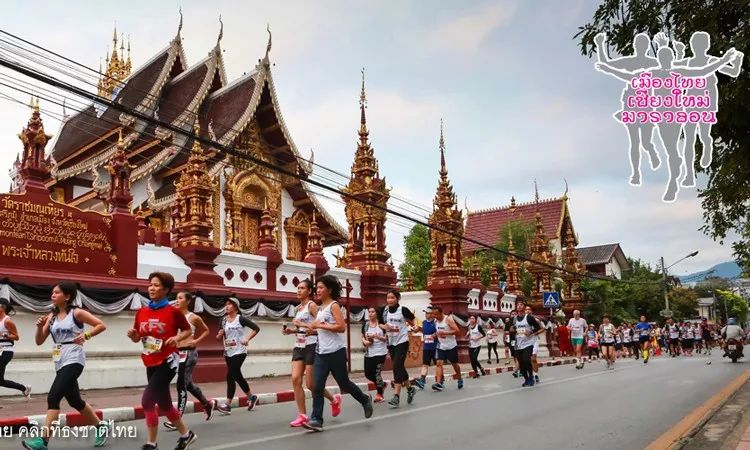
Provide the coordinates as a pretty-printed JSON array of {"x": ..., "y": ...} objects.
[
  {"x": 394, "y": 330},
  {"x": 300, "y": 340},
  {"x": 151, "y": 345},
  {"x": 56, "y": 352},
  {"x": 732, "y": 347},
  {"x": 644, "y": 332},
  {"x": 429, "y": 338},
  {"x": 183, "y": 356},
  {"x": 521, "y": 331},
  {"x": 513, "y": 343},
  {"x": 230, "y": 344}
]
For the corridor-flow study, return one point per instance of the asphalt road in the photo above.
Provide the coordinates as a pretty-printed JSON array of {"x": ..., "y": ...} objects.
[{"x": 591, "y": 408}]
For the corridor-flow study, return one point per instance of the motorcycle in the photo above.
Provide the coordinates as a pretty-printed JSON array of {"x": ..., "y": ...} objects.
[{"x": 733, "y": 348}]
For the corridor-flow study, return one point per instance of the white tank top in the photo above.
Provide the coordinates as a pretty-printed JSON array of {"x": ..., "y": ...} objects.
[
  {"x": 608, "y": 333},
  {"x": 188, "y": 316},
  {"x": 475, "y": 337},
  {"x": 234, "y": 333},
  {"x": 378, "y": 347},
  {"x": 447, "y": 342},
  {"x": 6, "y": 345},
  {"x": 328, "y": 341},
  {"x": 522, "y": 340},
  {"x": 64, "y": 351},
  {"x": 398, "y": 331},
  {"x": 491, "y": 336},
  {"x": 302, "y": 339}
]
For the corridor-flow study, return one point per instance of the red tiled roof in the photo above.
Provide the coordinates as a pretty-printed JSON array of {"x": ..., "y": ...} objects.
[
  {"x": 485, "y": 226},
  {"x": 84, "y": 127}
]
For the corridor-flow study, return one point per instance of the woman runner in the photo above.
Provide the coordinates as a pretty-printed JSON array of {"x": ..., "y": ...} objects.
[
  {"x": 492, "y": 337},
  {"x": 592, "y": 341},
  {"x": 374, "y": 340},
  {"x": 303, "y": 354},
  {"x": 189, "y": 359},
  {"x": 235, "y": 352},
  {"x": 618, "y": 343},
  {"x": 331, "y": 352},
  {"x": 159, "y": 327},
  {"x": 687, "y": 339},
  {"x": 397, "y": 322},
  {"x": 475, "y": 335},
  {"x": 8, "y": 335},
  {"x": 608, "y": 332},
  {"x": 66, "y": 325}
]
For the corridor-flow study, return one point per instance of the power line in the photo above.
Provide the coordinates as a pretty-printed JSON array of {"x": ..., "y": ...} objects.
[{"x": 52, "y": 81}]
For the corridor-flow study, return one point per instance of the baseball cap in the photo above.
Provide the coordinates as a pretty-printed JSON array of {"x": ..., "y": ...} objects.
[{"x": 427, "y": 309}]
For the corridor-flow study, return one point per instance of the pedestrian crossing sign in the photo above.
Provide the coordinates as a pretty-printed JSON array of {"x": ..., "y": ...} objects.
[{"x": 551, "y": 299}]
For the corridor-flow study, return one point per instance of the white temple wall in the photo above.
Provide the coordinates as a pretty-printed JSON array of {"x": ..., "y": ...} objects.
[
  {"x": 416, "y": 301},
  {"x": 152, "y": 258},
  {"x": 239, "y": 263},
  {"x": 288, "y": 271},
  {"x": 354, "y": 277}
]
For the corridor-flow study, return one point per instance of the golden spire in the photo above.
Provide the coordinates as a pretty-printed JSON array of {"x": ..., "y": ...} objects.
[
  {"x": 179, "y": 27},
  {"x": 117, "y": 68},
  {"x": 197, "y": 149},
  {"x": 443, "y": 169},
  {"x": 268, "y": 45},
  {"x": 362, "y": 106},
  {"x": 221, "y": 31}
]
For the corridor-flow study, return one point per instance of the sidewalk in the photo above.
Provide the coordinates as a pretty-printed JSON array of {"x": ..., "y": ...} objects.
[{"x": 122, "y": 404}]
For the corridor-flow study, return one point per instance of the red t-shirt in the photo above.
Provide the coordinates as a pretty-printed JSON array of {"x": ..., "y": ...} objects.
[{"x": 161, "y": 324}]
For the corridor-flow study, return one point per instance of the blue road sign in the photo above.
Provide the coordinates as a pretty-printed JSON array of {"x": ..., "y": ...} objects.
[{"x": 551, "y": 299}]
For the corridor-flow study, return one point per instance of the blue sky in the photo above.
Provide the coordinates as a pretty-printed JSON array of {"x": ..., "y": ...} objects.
[{"x": 518, "y": 100}]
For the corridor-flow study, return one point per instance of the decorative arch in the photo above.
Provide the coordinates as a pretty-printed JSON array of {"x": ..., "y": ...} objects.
[
  {"x": 297, "y": 228},
  {"x": 246, "y": 194}
]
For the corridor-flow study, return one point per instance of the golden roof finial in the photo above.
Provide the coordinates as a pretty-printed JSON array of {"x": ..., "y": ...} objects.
[
  {"x": 196, "y": 144},
  {"x": 363, "y": 99},
  {"x": 268, "y": 45},
  {"x": 221, "y": 31},
  {"x": 179, "y": 27},
  {"x": 119, "y": 139},
  {"x": 536, "y": 193},
  {"x": 565, "y": 194},
  {"x": 36, "y": 105},
  {"x": 443, "y": 169},
  {"x": 114, "y": 35}
]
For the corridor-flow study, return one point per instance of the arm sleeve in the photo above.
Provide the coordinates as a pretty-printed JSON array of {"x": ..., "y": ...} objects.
[
  {"x": 408, "y": 315},
  {"x": 481, "y": 330},
  {"x": 533, "y": 323},
  {"x": 245, "y": 322}
]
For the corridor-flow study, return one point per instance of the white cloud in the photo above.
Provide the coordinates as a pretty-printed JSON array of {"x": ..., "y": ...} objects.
[{"x": 465, "y": 34}]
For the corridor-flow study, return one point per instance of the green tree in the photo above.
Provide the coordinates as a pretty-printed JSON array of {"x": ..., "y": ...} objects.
[
  {"x": 417, "y": 257},
  {"x": 683, "y": 302},
  {"x": 707, "y": 287},
  {"x": 734, "y": 305},
  {"x": 724, "y": 200}
]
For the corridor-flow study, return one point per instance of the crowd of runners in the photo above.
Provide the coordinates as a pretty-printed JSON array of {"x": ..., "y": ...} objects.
[{"x": 169, "y": 334}]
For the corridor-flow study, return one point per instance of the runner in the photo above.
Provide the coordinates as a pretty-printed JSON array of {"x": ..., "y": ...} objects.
[
  {"x": 189, "y": 359},
  {"x": 397, "y": 321},
  {"x": 374, "y": 340},
  {"x": 618, "y": 342},
  {"x": 577, "y": 327},
  {"x": 643, "y": 329},
  {"x": 527, "y": 329},
  {"x": 492, "y": 337},
  {"x": 235, "y": 352},
  {"x": 506, "y": 340},
  {"x": 698, "y": 338},
  {"x": 429, "y": 345},
  {"x": 447, "y": 349},
  {"x": 707, "y": 336},
  {"x": 159, "y": 327},
  {"x": 303, "y": 354},
  {"x": 607, "y": 331},
  {"x": 66, "y": 326},
  {"x": 8, "y": 335},
  {"x": 330, "y": 357},
  {"x": 592, "y": 341},
  {"x": 687, "y": 339},
  {"x": 512, "y": 343},
  {"x": 673, "y": 333},
  {"x": 475, "y": 335},
  {"x": 627, "y": 339},
  {"x": 534, "y": 362}
]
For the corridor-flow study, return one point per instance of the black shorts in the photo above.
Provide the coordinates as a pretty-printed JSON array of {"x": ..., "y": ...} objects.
[
  {"x": 642, "y": 339},
  {"x": 674, "y": 341},
  {"x": 428, "y": 356},
  {"x": 448, "y": 355},
  {"x": 306, "y": 354},
  {"x": 687, "y": 343},
  {"x": 607, "y": 344},
  {"x": 618, "y": 346}
]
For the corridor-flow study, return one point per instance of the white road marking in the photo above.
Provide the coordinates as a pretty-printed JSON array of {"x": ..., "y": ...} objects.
[{"x": 405, "y": 412}]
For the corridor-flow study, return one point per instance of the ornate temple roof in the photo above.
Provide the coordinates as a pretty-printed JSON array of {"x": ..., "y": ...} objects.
[
  {"x": 485, "y": 225},
  {"x": 167, "y": 90}
]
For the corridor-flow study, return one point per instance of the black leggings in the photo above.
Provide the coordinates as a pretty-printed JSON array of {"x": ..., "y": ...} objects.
[
  {"x": 524, "y": 361},
  {"x": 234, "y": 375},
  {"x": 5, "y": 358},
  {"x": 474, "y": 357},
  {"x": 492, "y": 346},
  {"x": 66, "y": 386},
  {"x": 157, "y": 391},
  {"x": 398, "y": 356},
  {"x": 373, "y": 367},
  {"x": 185, "y": 382}
]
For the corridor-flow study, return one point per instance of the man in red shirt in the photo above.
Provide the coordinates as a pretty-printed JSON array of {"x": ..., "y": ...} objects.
[{"x": 158, "y": 327}]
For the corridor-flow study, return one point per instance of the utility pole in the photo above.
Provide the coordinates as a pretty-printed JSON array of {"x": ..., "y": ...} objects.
[{"x": 666, "y": 294}]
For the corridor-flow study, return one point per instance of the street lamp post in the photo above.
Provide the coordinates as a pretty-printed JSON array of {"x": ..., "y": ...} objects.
[{"x": 666, "y": 312}]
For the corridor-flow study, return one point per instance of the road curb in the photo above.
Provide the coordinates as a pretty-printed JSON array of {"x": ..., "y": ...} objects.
[{"x": 124, "y": 414}]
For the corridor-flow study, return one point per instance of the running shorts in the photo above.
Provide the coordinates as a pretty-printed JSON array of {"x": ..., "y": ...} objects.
[
  {"x": 448, "y": 355},
  {"x": 643, "y": 339},
  {"x": 687, "y": 343},
  {"x": 428, "y": 356},
  {"x": 618, "y": 346},
  {"x": 674, "y": 341},
  {"x": 607, "y": 344},
  {"x": 576, "y": 341},
  {"x": 306, "y": 354}
]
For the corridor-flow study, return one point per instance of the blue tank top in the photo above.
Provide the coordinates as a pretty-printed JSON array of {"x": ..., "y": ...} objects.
[{"x": 429, "y": 329}]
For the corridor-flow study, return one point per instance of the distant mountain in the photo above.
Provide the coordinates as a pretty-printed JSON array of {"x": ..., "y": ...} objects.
[{"x": 727, "y": 270}]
